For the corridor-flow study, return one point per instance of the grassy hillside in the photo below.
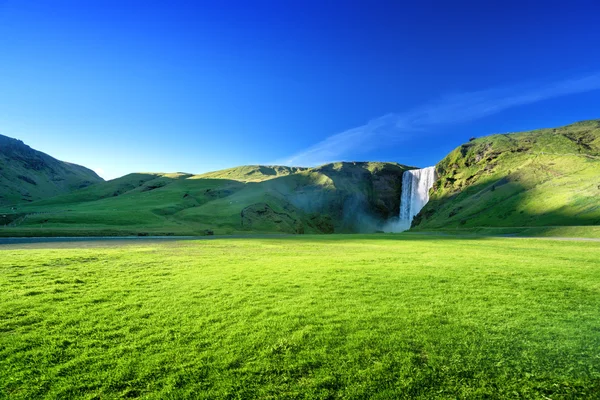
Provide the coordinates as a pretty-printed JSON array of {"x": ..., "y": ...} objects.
[
  {"x": 252, "y": 173},
  {"x": 304, "y": 317},
  {"x": 341, "y": 197},
  {"x": 541, "y": 178},
  {"x": 532, "y": 183},
  {"x": 28, "y": 175}
]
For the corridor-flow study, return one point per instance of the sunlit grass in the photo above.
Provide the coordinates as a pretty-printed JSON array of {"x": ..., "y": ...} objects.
[{"x": 379, "y": 316}]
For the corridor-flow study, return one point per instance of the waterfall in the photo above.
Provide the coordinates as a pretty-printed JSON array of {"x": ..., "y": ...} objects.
[{"x": 415, "y": 193}]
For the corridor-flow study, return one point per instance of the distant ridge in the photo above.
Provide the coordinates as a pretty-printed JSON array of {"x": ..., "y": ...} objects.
[
  {"x": 253, "y": 173},
  {"x": 28, "y": 175}
]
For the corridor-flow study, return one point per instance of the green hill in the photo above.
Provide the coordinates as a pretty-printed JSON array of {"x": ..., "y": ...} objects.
[
  {"x": 340, "y": 197},
  {"x": 533, "y": 182},
  {"x": 28, "y": 175},
  {"x": 543, "y": 178},
  {"x": 253, "y": 173}
]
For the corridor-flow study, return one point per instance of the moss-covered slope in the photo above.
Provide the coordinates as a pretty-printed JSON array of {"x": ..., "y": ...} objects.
[{"x": 547, "y": 177}]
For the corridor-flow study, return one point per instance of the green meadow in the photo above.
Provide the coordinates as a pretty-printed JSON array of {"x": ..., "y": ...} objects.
[{"x": 315, "y": 317}]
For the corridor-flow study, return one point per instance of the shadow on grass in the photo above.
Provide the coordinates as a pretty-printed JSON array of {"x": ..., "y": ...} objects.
[{"x": 505, "y": 204}]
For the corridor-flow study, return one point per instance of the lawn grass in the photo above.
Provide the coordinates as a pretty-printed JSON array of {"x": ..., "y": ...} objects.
[
  {"x": 340, "y": 316},
  {"x": 590, "y": 232}
]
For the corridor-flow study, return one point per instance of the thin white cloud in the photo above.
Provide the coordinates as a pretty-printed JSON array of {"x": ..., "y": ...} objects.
[{"x": 447, "y": 110}]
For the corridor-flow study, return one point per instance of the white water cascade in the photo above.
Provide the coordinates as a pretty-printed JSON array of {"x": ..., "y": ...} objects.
[{"x": 415, "y": 193}]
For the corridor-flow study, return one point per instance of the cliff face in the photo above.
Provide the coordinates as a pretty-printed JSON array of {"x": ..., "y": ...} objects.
[
  {"x": 357, "y": 196},
  {"x": 27, "y": 175},
  {"x": 387, "y": 189}
]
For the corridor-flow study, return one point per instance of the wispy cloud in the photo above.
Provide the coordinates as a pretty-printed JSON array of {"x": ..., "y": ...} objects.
[{"x": 450, "y": 109}]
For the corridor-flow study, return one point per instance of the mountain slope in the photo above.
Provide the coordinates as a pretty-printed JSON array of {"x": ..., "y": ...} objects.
[
  {"x": 340, "y": 197},
  {"x": 27, "y": 175},
  {"x": 541, "y": 178},
  {"x": 252, "y": 173}
]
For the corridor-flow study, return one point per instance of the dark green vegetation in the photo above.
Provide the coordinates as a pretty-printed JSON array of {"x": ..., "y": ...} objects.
[
  {"x": 377, "y": 316},
  {"x": 534, "y": 182},
  {"x": 340, "y": 197},
  {"x": 27, "y": 175}
]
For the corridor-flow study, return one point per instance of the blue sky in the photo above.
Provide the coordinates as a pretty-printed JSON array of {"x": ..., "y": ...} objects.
[{"x": 124, "y": 86}]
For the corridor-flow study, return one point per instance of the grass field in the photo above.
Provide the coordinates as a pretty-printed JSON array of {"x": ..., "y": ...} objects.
[
  {"x": 340, "y": 316},
  {"x": 591, "y": 232}
]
